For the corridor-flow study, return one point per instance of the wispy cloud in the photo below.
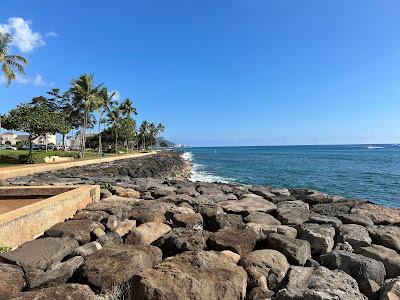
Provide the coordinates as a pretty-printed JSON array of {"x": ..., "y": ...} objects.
[
  {"x": 36, "y": 80},
  {"x": 23, "y": 36},
  {"x": 52, "y": 34}
]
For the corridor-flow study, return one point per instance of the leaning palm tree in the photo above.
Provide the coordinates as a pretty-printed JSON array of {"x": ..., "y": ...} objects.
[
  {"x": 106, "y": 101},
  {"x": 160, "y": 128},
  {"x": 114, "y": 118},
  {"x": 10, "y": 63},
  {"x": 85, "y": 95},
  {"x": 143, "y": 131}
]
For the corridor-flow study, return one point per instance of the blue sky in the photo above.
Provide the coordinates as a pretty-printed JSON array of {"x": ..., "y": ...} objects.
[{"x": 224, "y": 72}]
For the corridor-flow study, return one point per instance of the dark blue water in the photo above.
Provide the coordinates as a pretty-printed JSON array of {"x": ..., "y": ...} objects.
[{"x": 356, "y": 171}]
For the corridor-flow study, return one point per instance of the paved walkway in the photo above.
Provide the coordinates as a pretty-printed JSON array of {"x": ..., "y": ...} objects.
[{"x": 23, "y": 170}]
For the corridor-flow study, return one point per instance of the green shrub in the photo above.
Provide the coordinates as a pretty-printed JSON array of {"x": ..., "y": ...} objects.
[
  {"x": 109, "y": 187},
  {"x": 4, "y": 249},
  {"x": 38, "y": 157}
]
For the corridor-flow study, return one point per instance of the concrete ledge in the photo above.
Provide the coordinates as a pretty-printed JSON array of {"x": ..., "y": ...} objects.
[
  {"x": 19, "y": 171},
  {"x": 28, "y": 222}
]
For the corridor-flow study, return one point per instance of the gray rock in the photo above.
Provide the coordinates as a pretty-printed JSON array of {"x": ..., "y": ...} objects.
[
  {"x": 110, "y": 238},
  {"x": 191, "y": 220},
  {"x": 201, "y": 275},
  {"x": 263, "y": 192},
  {"x": 291, "y": 216},
  {"x": 359, "y": 219},
  {"x": 241, "y": 241},
  {"x": 388, "y": 236},
  {"x": 296, "y": 251},
  {"x": 115, "y": 265},
  {"x": 331, "y": 209},
  {"x": 147, "y": 233},
  {"x": 220, "y": 221},
  {"x": 179, "y": 240},
  {"x": 76, "y": 229},
  {"x": 319, "y": 284},
  {"x": 320, "y": 237},
  {"x": 320, "y": 219},
  {"x": 379, "y": 214},
  {"x": 87, "y": 249},
  {"x": 261, "y": 218},
  {"x": 11, "y": 280},
  {"x": 368, "y": 272},
  {"x": 271, "y": 264},
  {"x": 389, "y": 257},
  {"x": 292, "y": 204},
  {"x": 390, "y": 290},
  {"x": 248, "y": 205},
  {"x": 94, "y": 215},
  {"x": 41, "y": 253},
  {"x": 263, "y": 230},
  {"x": 355, "y": 235},
  {"x": 54, "y": 276},
  {"x": 60, "y": 292}
]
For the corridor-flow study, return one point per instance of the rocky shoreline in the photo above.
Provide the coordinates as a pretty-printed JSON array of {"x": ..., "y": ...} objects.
[{"x": 156, "y": 235}]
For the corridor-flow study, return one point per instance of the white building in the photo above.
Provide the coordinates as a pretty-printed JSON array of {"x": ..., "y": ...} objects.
[{"x": 11, "y": 139}]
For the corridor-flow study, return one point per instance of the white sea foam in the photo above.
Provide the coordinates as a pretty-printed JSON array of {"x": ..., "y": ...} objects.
[
  {"x": 200, "y": 174},
  {"x": 375, "y": 147}
]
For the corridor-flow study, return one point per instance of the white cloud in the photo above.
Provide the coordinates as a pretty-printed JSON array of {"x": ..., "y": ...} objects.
[
  {"x": 52, "y": 34},
  {"x": 23, "y": 36},
  {"x": 36, "y": 80},
  {"x": 117, "y": 95}
]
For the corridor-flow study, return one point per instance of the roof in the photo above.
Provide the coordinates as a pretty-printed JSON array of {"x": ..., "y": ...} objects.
[
  {"x": 8, "y": 133},
  {"x": 22, "y": 137}
]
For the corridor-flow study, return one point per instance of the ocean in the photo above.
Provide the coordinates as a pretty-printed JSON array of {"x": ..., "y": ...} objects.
[{"x": 370, "y": 172}]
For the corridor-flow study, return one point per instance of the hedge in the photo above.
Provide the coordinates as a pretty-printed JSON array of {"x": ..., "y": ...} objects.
[{"x": 38, "y": 157}]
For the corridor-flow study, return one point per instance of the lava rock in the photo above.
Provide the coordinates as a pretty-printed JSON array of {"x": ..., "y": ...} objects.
[
  {"x": 147, "y": 233},
  {"x": 241, "y": 241},
  {"x": 11, "y": 280},
  {"x": 355, "y": 235},
  {"x": 321, "y": 237},
  {"x": 388, "y": 236},
  {"x": 60, "y": 292},
  {"x": 261, "y": 218}
]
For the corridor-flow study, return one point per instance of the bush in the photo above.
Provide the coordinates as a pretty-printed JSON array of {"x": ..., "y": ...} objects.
[{"x": 38, "y": 157}]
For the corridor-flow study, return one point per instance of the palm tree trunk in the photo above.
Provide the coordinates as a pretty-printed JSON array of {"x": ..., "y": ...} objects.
[
  {"x": 127, "y": 148},
  {"x": 63, "y": 141},
  {"x": 100, "y": 146},
  {"x": 116, "y": 141}
]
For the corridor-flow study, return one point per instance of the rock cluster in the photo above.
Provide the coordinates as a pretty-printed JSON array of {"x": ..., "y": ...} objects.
[{"x": 159, "y": 238}]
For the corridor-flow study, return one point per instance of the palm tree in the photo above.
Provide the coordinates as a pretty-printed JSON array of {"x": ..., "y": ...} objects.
[
  {"x": 10, "y": 63},
  {"x": 86, "y": 95},
  {"x": 160, "y": 128},
  {"x": 105, "y": 103},
  {"x": 114, "y": 117},
  {"x": 143, "y": 131},
  {"x": 127, "y": 108}
]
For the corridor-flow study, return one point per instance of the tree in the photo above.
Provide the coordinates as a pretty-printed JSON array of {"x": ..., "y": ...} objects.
[
  {"x": 114, "y": 119},
  {"x": 86, "y": 96},
  {"x": 160, "y": 128},
  {"x": 127, "y": 108},
  {"x": 143, "y": 130},
  {"x": 10, "y": 63},
  {"x": 36, "y": 120},
  {"x": 105, "y": 104},
  {"x": 127, "y": 131}
]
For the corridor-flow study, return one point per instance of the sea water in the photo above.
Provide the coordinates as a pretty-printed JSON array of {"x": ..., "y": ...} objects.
[{"x": 370, "y": 172}]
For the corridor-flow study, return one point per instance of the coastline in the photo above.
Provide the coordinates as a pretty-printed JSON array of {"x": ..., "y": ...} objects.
[{"x": 258, "y": 240}]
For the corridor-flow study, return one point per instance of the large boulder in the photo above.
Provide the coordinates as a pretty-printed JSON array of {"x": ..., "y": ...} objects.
[
  {"x": 223, "y": 220},
  {"x": 388, "y": 236},
  {"x": 319, "y": 284},
  {"x": 76, "y": 229},
  {"x": 191, "y": 220},
  {"x": 60, "y": 292},
  {"x": 11, "y": 280},
  {"x": 248, "y": 205},
  {"x": 326, "y": 220},
  {"x": 269, "y": 263},
  {"x": 55, "y": 275},
  {"x": 241, "y": 241},
  {"x": 389, "y": 257},
  {"x": 390, "y": 290},
  {"x": 41, "y": 253},
  {"x": 368, "y": 272},
  {"x": 296, "y": 251},
  {"x": 179, "y": 240},
  {"x": 261, "y": 218},
  {"x": 262, "y": 230},
  {"x": 115, "y": 265},
  {"x": 94, "y": 215},
  {"x": 331, "y": 209},
  {"x": 380, "y": 215},
  {"x": 87, "y": 249},
  {"x": 201, "y": 275},
  {"x": 292, "y": 204},
  {"x": 355, "y": 235},
  {"x": 321, "y": 237},
  {"x": 147, "y": 233},
  {"x": 359, "y": 219},
  {"x": 293, "y": 216}
]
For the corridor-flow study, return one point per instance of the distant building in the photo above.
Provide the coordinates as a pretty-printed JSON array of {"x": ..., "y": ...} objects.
[{"x": 11, "y": 139}]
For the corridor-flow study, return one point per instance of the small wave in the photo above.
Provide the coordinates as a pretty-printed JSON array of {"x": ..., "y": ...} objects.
[
  {"x": 375, "y": 147},
  {"x": 199, "y": 174},
  {"x": 187, "y": 156}
]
